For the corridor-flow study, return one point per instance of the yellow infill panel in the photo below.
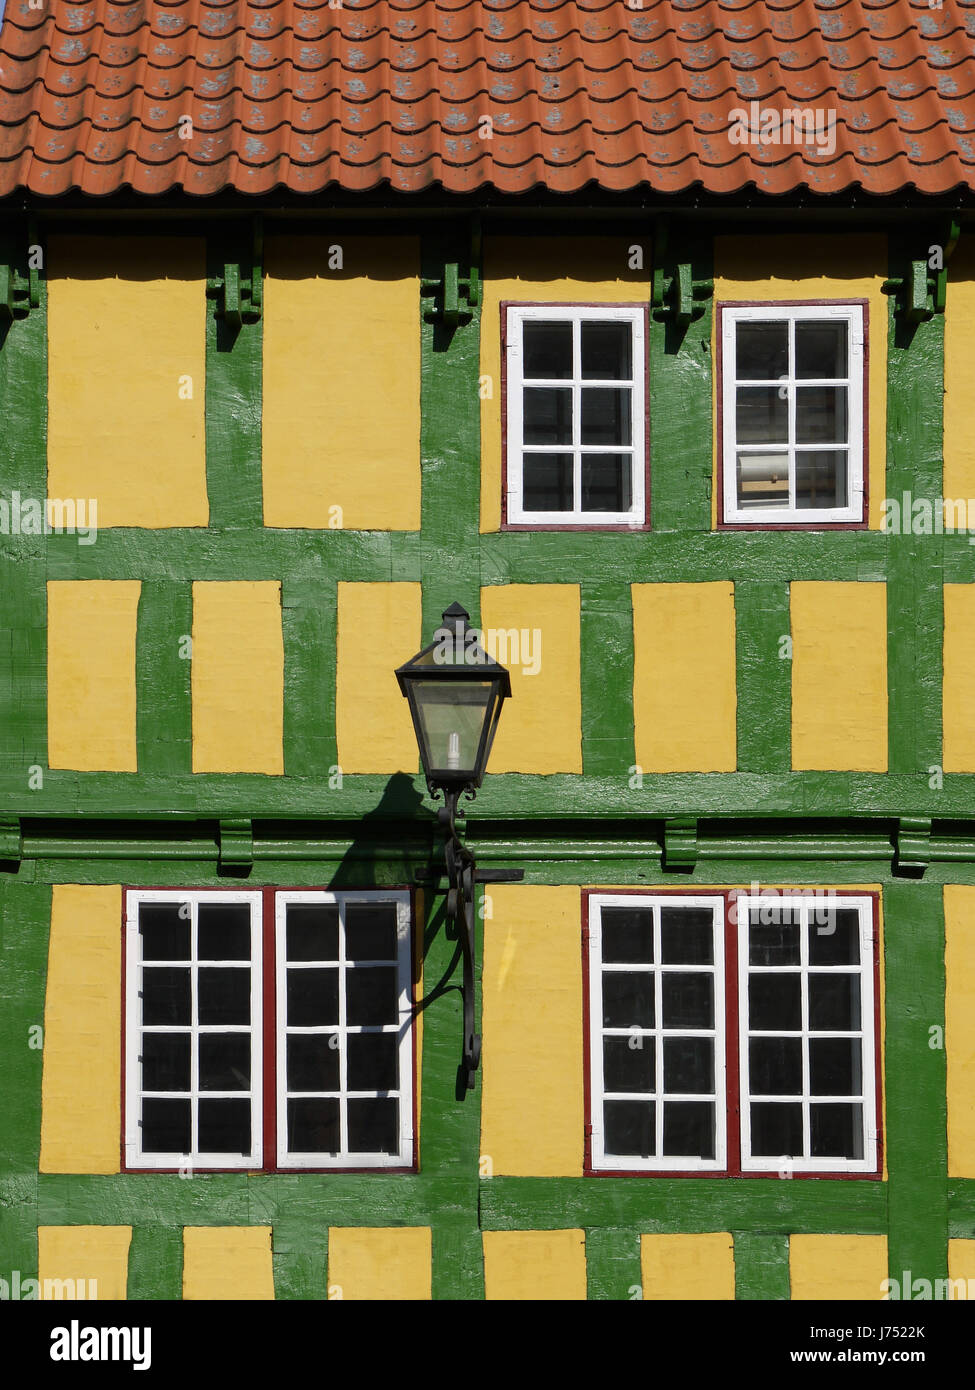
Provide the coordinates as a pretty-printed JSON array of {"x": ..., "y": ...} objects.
[
  {"x": 238, "y": 677},
  {"x": 958, "y": 690},
  {"x": 961, "y": 1269},
  {"x": 232, "y": 1262},
  {"x": 80, "y": 1090},
  {"x": 342, "y": 382},
  {"x": 532, "y": 1027},
  {"x": 532, "y": 1266},
  {"x": 83, "y": 1262},
  {"x": 91, "y": 627},
  {"x": 839, "y": 677},
  {"x": 846, "y": 1268},
  {"x": 683, "y": 1267},
  {"x": 684, "y": 693},
  {"x": 959, "y": 437},
  {"x": 382, "y": 1264},
  {"x": 127, "y": 377},
  {"x": 960, "y": 1027},
  {"x": 378, "y": 629}
]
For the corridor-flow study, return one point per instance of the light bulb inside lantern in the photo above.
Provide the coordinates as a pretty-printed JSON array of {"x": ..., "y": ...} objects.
[{"x": 453, "y": 752}]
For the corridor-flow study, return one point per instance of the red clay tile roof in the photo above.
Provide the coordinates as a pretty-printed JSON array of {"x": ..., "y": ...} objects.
[{"x": 299, "y": 94}]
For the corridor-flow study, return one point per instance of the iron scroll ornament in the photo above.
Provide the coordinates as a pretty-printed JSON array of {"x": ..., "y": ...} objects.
[{"x": 461, "y": 877}]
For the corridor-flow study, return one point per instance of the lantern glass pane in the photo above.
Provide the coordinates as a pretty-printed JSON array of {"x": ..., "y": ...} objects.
[{"x": 452, "y": 715}]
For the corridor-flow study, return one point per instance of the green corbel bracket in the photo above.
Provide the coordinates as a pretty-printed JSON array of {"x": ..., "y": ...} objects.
[
  {"x": 236, "y": 844},
  {"x": 11, "y": 840},
  {"x": 924, "y": 292},
  {"x": 239, "y": 291},
  {"x": 680, "y": 843},
  {"x": 913, "y": 843},
  {"x": 674, "y": 293},
  {"x": 455, "y": 295},
  {"x": 19, "y": 294}
]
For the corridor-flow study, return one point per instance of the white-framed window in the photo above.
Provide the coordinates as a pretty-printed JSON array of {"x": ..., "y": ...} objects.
[
  {"x": 193, "y": 1029},
  {"x": 806, "y": 1034},
  {"x": 344, "y": 1010},
  {"x": 575, "y": 398},
  {"x": 657, "y": 1060},
  {"x": 761, "y": 1058},
  {"x": 793, "y": 418}
]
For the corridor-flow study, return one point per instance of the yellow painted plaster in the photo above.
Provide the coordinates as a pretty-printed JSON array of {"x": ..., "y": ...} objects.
[
  {"x": 380, "y": 1264},
  {"x": 533, "y": 1266},
  {"x": 959, "y": 437},
  {"x": 378, "y": 629},
  {"x": 958, "y": 689},
  {"x": 227, "y": 1262},
  {"x": 961, "y": 1265},
  {"x": 960, "y": 1026},
  {"x": 682, "y": 1267},
  {"x": 67, "y": 1255},
  {"x": 91, "y": 629},
  {"x": 840, "y": 1267}
]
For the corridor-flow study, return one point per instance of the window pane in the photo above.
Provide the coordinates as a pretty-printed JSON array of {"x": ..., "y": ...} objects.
[
  {"x": 836, "y": 1131},
  {"x": 225, "y": 1126},
  {"x": 313, "y": 931},
  {"x": 165, "y": 995},
  {"x": 224, "y": 996},
  {"x": 165, "y": 1061},
  {"x": 547, "y": 415},
  {"x": 821, "y": 349},
  {"x": 821, "y": 415},
  {"x": 688, "y": 1000},
  {"x": 689, "y": 1065},
  {"x": 313, "y": 1126},
  {"x": 629, "y": 1063},
  {"x": 605, "y": 416},
  {"x": 165, "y": 931},
  {"x": 313, "y": 998},
  {"x": 373, "y": 1126},
  {"x": 775, "y": 1066},
  {"x": 835, "y": 1067},
  {"x": 547, "y": 350},
  {"x": 687, "y": 936},
  {"x": 627, "y": 935},
  {"x": 835, "y": 940},
  {"x": 606, "y": 480},
  {"x": 762, "y": 416},
  {"x": 373, "y": 1062},
  {"x": 224, "y": 931},
  {"x": 313, "y": 1062},
  {"x": 166, "y": 1127},
  {"x": 370, "y": 931},
  {"x": 834, "y": 1002},
  {"x": 628, "y": 1127},
  {"x": 606, "y": 351},
  {"x": 776, "y": 1129},
  {"x": 821, "y": 478},
  {"x": 689, "y": 1128},
  {"x": 373, "y": 996},
  {"x": 627, "y": 1000},
  {"x": 775, "y": 942},
  {"x": 547, "y": 482},
  {"x": 763, "y": 480},
  {"x": 225, "y": 1062},
  {"x": 763, "y": 351},
  {"x": 774, "y": 1002}
]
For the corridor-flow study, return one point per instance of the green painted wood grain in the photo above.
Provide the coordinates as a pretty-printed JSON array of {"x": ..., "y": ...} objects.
[
  {"x": 155, "y": 1262},
  {"x": 613, "y": 1269},
  {"x": 300, "y": 1260},
  {"x": 308, "y": 617},
  {"x": 762, "y": 620},
  {"x": 761, "y": 1265},
  {"x": 606, "y": 648},
  {"x": 164, "y": 731}
]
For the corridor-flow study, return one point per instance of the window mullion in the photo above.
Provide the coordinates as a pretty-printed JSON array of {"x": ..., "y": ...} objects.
[
  {"x": 194, "y": 1032},
  {"x": 658, "y": 1046},
  {"x": 577, "y": 415},
  {"x": 804, "y": 930},
  {"x": 343, "y": 1037}
]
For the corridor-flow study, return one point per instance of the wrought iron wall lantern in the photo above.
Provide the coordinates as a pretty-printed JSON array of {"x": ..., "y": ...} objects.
[{"x": 455, "y": 692}]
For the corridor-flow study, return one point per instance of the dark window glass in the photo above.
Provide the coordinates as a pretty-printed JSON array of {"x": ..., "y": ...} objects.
[
  {"x": 629, "y": 1063},
  {"x": 627, "y": 935},
  {"x": 774, "y": 1002},
  {"x": 689, "y": 1066},
  {"x": 821, "y": 415},
  {"x": 834, "y": 1001},
  {"x": 606, "y": 351},
  {"x": 689, "y": 1128},
  {"x": 373, "y": 1062},
  {"x": 374, "y": 1126},
  {"x": 225, "y": 1062},
  {"x": 547, "y": 415},
  {"x": 224, "y": 931},
  {"x": 773, "y": 943},
  {"x": 165, "y": 1061},
  {"x": 776, "y": 1129},
  {"x": 313, "y": 931},
  {"x": 224, "y": 995},
  {"x": 627, "y": 999},
  {"x": 370, "y": 931},
  {"x": 547, "y": 350},
  {"x": 165, "y": 995},
  {"x": 313, "y": 998},
  {"x": 775, "y": 1066},
  {"x": 606, "y": 480},
  {"x": 835, "y": 1131},
  {"x": 762, "y": 415},
  {"x": 763, "y": 351},
  {"x": 166, "y": 1127},
  {"x": 605, "y": 416},
  {"x": 835, "y": 940},
  {"x": 313, "y": 1126},
  {"x": 688, "y": 1000},
  {"x": 165, "y": 931},
  {"x": 372, "y": 996},
  {"x": 547, "y": 482},
  {"x": 821, "y": 478},
  {"x": 687, "y": 936},
  {"x": 835, "y": 1067},
  {"x": 313, "y": 1062},
  {"x": 225, "y": 1126},
  {"x": 628, "y": 1127},
  {"x": 821, "y": 349}
]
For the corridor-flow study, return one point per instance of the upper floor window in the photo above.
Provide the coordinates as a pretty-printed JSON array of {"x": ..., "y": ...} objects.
[
  {"x": 792, "y": 432},
  {"x": 575, "y": 402}
]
